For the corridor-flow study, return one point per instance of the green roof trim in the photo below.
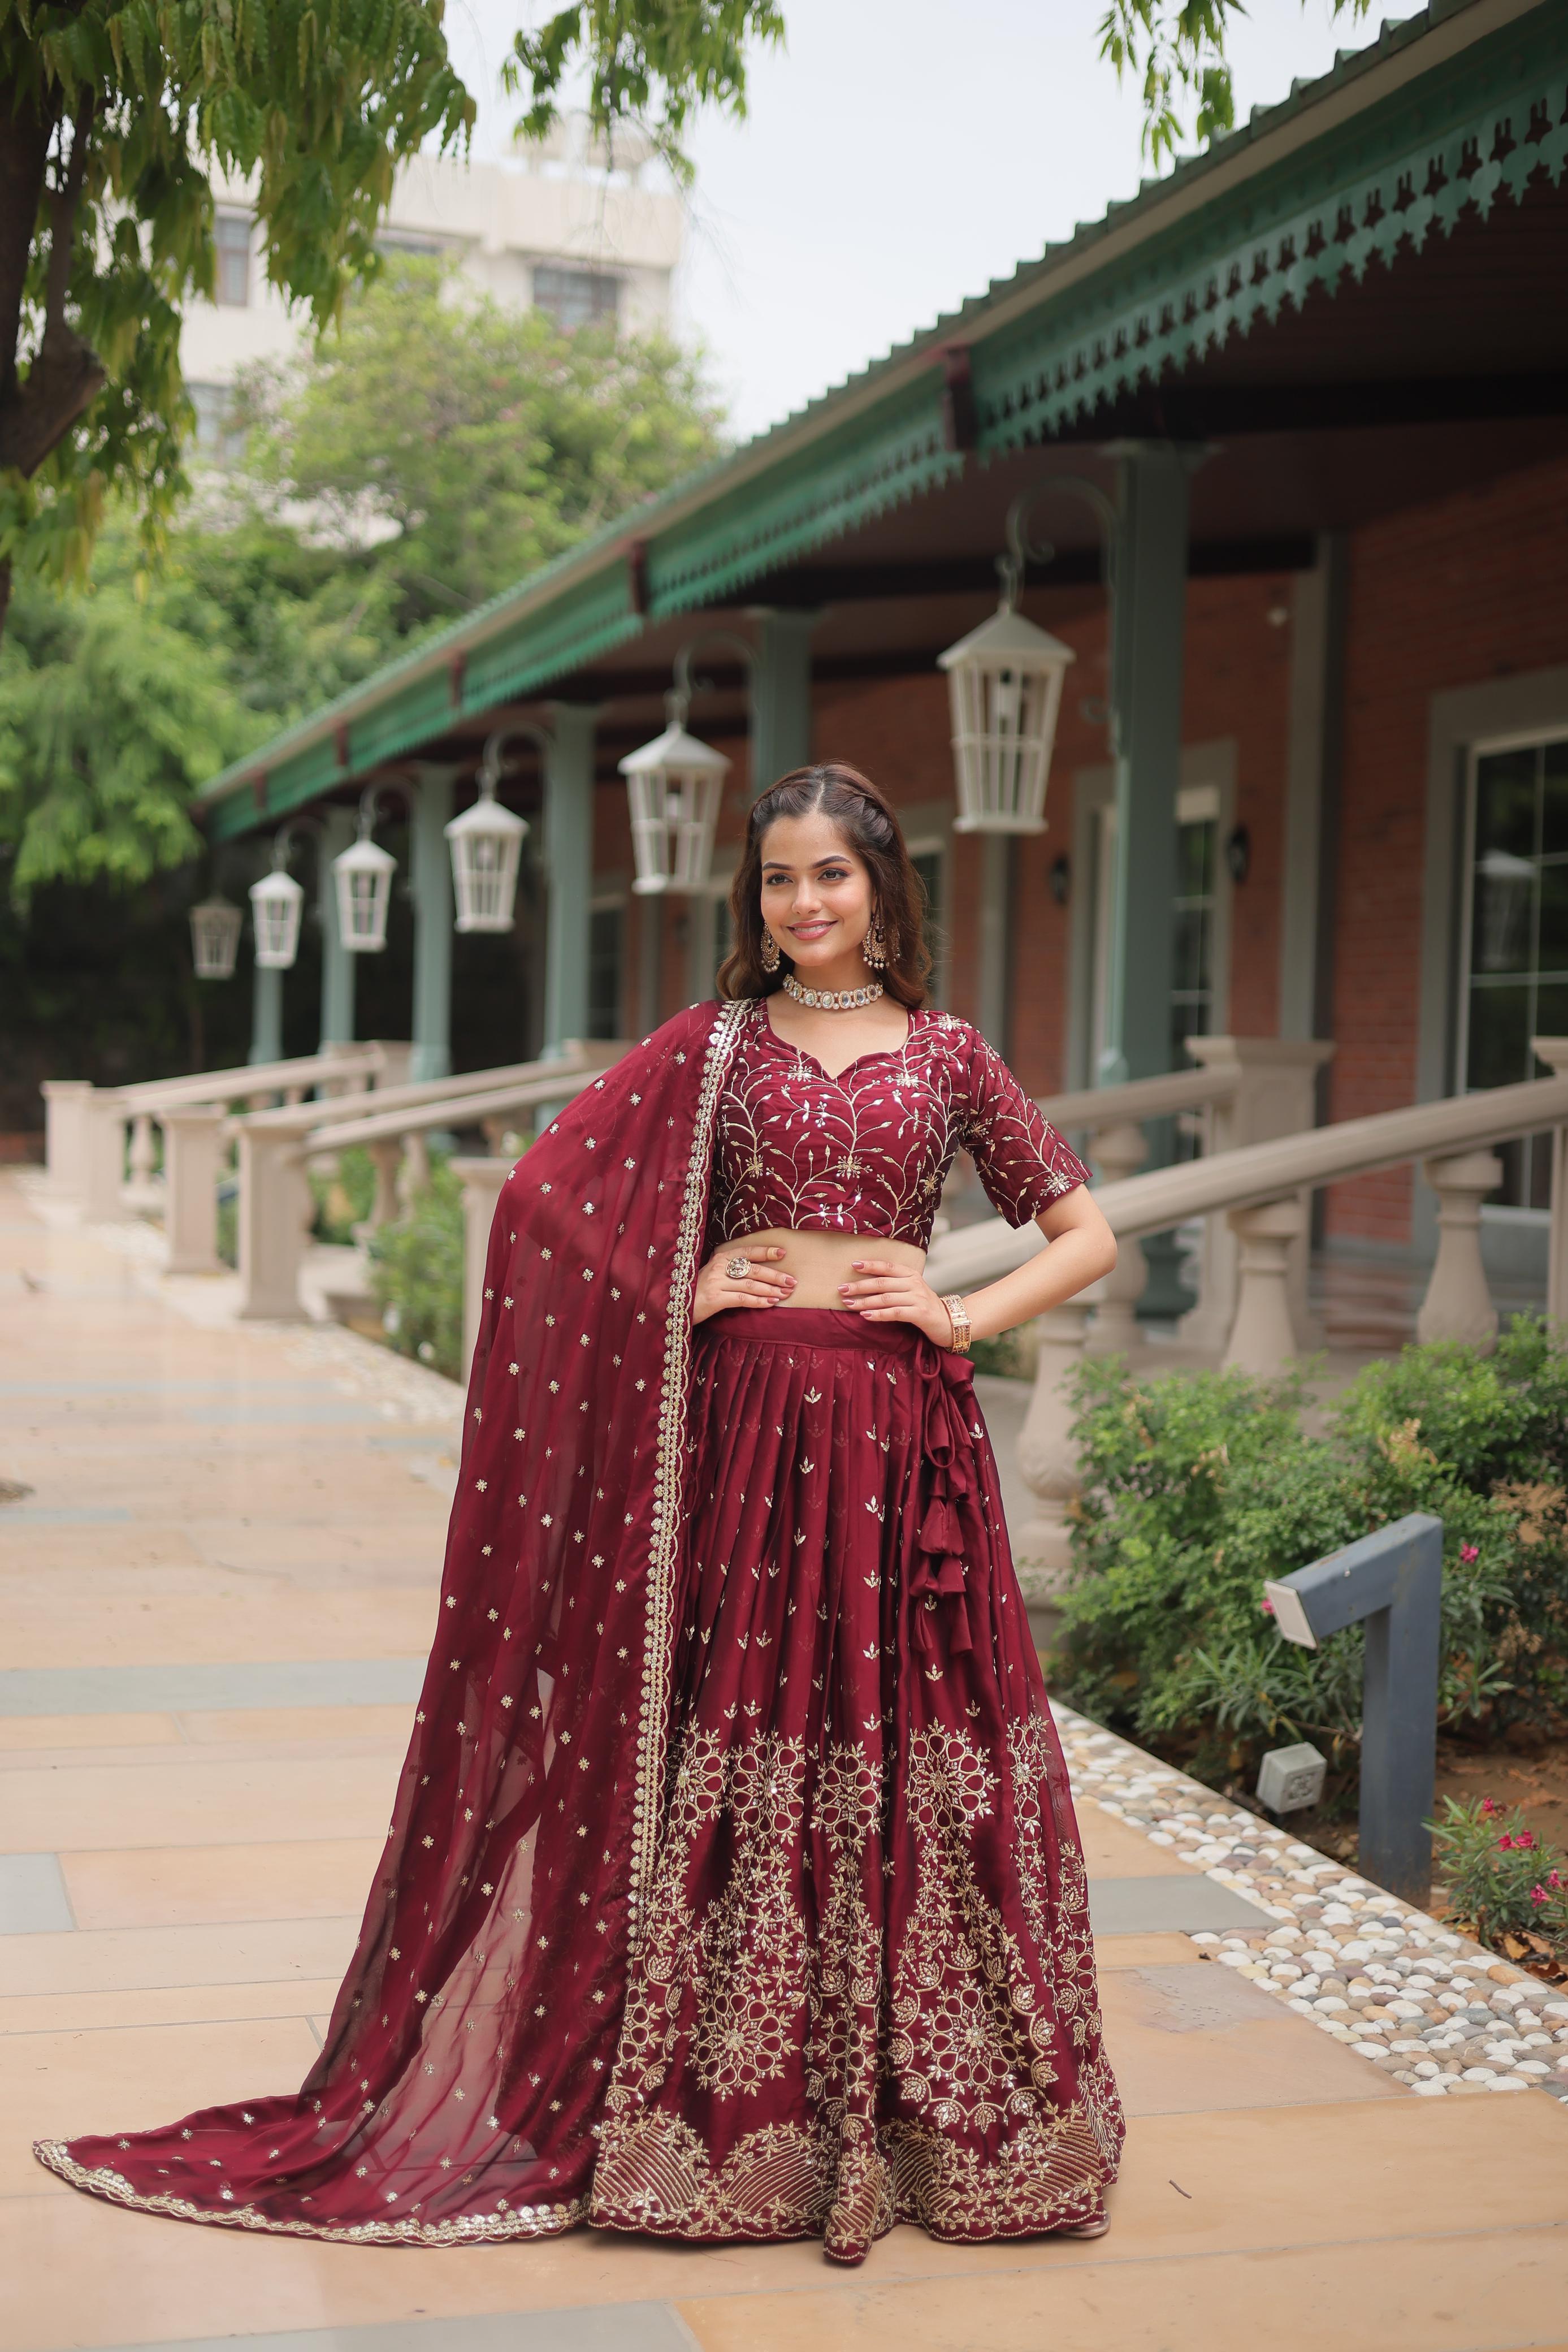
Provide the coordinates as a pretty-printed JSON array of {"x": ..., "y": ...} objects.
[
  {"x": 1468, "y": 133},
  {"x": 1277, "y": 208}
]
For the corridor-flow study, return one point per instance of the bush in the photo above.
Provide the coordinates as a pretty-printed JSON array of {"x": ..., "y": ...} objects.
[
  {"x": 1196, "y": 1487},
  {"x": 345, "y": 1199},
  {"x": 417, "y": 1273},
  {"x": 1503, "y": 1880}
]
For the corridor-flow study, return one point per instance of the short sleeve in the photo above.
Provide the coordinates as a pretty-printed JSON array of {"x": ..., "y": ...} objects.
[{"x": 1021, "y": 1160}]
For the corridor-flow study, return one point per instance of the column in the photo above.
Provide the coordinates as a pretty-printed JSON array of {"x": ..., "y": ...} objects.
[
  {"x": 568, "y": 854},
  {"x": 1147, "y": 618},
  {"x": 998, "y": 856},
  {"x": 337, "y": 963},
  {"x": 1312, "y": 794},
  {"x": 781, "y": 695},
  {"x": 430, "y": 857},
  {"x": 1148, "y": 614},
  {"x": 265, "y": 1015}
]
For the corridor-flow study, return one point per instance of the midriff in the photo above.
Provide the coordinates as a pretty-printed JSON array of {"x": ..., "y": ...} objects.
[{"x": 821, "y": 1261}]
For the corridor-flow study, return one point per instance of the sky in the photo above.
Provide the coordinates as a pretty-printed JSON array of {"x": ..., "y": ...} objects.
[{"x": 898, "y": 155}]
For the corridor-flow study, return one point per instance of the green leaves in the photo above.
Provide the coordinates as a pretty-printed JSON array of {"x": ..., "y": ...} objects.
[
  {"x": 651, "y": 64},
  {"x": 313, "y": 101},
  {"x": 1198, "y": 1487},
  {"x": 1176, "y": 50}
]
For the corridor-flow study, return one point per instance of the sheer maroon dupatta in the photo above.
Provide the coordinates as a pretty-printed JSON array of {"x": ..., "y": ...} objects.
[{"x": 458, "y": 2093}]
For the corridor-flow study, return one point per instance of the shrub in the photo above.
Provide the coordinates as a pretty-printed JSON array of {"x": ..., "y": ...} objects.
[
  {"x": 1503, "y": 1880},
  {"x": 417, "y": 1273},
  {"x": 344, "y": 1199},
  {"x": 1196, "y": 1487}
]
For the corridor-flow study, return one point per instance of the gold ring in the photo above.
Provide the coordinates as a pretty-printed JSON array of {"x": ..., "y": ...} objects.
[{"x": 737, "y": 1268}]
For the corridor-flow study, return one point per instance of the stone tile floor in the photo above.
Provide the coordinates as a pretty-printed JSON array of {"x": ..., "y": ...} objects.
[{"x": 212, "y": 1609}]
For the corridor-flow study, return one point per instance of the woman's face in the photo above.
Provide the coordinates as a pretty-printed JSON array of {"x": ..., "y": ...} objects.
[{"x": 816, "y": 890}]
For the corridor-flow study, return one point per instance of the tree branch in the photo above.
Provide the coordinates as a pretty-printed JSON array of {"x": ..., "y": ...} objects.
[{"x": 67, "y": 373}]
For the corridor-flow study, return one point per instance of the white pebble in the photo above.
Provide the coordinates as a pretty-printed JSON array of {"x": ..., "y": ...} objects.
[
  {"x": 1532, "y": 2066},
  {"x": 1431, "y": 2090},
  {"x": 1478, "y": 2074},
  {"x": 1426, "y": 2066}
]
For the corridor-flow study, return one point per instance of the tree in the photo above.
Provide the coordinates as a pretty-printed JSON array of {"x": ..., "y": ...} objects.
[
  {"x": 470, "y": 443},
  {"x": 1178, "y": 48},
  {"x": 113, "y": 116}
]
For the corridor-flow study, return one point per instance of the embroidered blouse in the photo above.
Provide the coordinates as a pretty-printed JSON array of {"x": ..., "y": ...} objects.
[{"x": 869, "y": 1152}]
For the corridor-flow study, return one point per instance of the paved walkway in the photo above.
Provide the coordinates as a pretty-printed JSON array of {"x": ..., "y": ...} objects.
[{"x": 213, "y": 1605}]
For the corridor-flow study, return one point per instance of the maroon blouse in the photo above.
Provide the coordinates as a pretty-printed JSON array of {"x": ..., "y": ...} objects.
[{"x": 869, "y": 1152}]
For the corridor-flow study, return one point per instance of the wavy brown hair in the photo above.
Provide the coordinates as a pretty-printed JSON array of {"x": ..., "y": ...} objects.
[{"x": 866, "y": 820}]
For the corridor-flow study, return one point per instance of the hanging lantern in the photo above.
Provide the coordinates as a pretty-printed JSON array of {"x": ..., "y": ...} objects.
[
  {"x": 277, "y": 902},
  {"x": 362, "y": 875},
  {"x": 674, "y": 784},
  {"x": 215, "y": 937},
  {"x": 1507, "y": 889},
  {"x": 1004, "y": 685},
  {"x": 487, "y": 850}
]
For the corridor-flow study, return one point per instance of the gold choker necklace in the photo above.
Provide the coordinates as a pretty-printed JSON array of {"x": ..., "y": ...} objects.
[{"x": 832, "y": 999}]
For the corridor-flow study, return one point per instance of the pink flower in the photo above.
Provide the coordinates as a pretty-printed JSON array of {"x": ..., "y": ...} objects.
[
  {"x": 1266, "y": 1607},
  {"x": 1506, "y": 1843},
  {"x": 1487, "y": 1808},
  {"x": 1469, "y": 1553},
  {"x": 1539, "y": 1895},
  {"x": 1555, "y": 1878},
  {"x": 1525, "y": 1840}
]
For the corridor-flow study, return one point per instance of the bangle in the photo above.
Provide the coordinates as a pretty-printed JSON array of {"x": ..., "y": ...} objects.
[{"x": 958, "y": 1316}]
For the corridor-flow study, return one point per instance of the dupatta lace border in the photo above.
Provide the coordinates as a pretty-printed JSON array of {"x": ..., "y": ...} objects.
[
  {"x": 669, "y": 1471},
  {"x": 517, "y": 2221}
]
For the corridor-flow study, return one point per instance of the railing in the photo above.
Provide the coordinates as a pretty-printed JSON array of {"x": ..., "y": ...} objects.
[
  {"x": 85, "y": 1147},
  {"x": 276, "y": 1207},
  {"x": 1260, "y": 1190}
]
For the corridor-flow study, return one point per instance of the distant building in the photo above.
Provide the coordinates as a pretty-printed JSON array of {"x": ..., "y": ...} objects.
[{"x": 558, "y": 230}]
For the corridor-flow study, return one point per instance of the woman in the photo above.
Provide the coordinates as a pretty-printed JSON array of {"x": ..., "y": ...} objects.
[{"x": 733, "y": 1888}]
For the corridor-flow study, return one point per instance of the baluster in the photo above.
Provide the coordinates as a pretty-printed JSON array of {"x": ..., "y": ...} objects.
[
  {"x": 1117, "y": 1152},
  {"x": 1048, "y": 1460},
  {"x": 482, "y": 1180},
  {"x": 105, "y": 1123},
  {"x": 143, "y": 1159},
  {"x": 1458, "y": 1301},
  {"x": 277, "y": 1208},
  {"x": 385, "y": 1156},
  {"x": 193, "y": 1157},
  {"x": 1263, "y": 1336},
  {"x": 413, "y": 1177}
]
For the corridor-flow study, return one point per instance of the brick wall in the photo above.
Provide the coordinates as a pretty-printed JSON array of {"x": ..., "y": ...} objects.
[{"x": 1471, "y": 588}]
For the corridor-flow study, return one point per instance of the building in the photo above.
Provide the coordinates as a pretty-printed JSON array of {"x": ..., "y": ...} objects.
[
  {"x": 563, "y": 229},
  {"x": 1316, "y": 382}
]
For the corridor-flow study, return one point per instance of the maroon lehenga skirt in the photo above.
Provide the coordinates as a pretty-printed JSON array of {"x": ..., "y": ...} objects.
[{"x": 865, "y": 1992}]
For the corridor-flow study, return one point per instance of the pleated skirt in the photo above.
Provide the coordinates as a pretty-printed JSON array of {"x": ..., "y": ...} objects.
[{"x": 865, "y": 1990}]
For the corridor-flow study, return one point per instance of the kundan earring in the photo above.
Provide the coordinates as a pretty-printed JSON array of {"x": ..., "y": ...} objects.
[
  {"x": 874, "y": 946},
  {"x": 769, "y": 951}
]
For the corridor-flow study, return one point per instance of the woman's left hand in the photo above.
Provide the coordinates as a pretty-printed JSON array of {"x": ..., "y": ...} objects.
[{"x": 884, "y": 1293}]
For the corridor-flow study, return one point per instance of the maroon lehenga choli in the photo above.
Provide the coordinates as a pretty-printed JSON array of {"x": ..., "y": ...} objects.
[{"x": 733, "y": 1888}]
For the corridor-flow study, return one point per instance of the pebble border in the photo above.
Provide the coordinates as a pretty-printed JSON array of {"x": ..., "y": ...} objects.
[{"x": 1412, "y": 1998}]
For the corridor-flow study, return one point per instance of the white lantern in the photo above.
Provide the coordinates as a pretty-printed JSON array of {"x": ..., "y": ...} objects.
[
  {"x": 277, "y": 902},
  {"x": 487, "y": 850},
  {"x": 674, "y": 785},
  {"x": 1004, "y": 683},
  {"x": 362, "y": 876},
  {"x": 214, "y": 938}
]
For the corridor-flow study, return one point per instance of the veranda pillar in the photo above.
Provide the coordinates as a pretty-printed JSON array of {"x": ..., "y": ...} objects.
[
  {"x": 782, "y": 695},
  {"x": 432, "y": 879},
  {"x": 1148, "y": 616},
  {"x": 337, "y": 963},
  {"x": 265, "y": 1015},
  {"x": 569, "y": 853}
]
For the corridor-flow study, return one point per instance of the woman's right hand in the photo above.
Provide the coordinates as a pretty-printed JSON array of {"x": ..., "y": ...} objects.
[{"x": 763, "y": 1285}]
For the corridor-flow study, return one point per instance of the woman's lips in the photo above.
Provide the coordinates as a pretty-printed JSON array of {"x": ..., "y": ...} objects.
[{"x": 809, "y": 930}]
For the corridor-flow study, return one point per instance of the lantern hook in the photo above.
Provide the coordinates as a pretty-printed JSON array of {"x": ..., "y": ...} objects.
[
  {"x": 678, "y": 700},
  {"x": 492, "y": 760},
  {"x": 369, "y": 802},
  {"x": 1022, "y": 551}
]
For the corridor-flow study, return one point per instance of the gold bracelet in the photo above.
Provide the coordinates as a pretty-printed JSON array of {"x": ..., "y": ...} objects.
[{"x": 958, "y": 1316}]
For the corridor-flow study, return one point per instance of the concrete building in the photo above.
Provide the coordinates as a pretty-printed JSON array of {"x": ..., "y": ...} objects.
[{"x": 563, "y": 228}]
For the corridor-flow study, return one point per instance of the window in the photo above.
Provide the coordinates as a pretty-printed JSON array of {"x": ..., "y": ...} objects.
[
  {"x": 606, "y": 953},
  {"x": 1516, "y": 981},
  {"x": 576, "y": 297},
  {"x": 230, "y": 235},
  {"x": 1197, "y": 848},
  {"x": 396, "y": 242}
]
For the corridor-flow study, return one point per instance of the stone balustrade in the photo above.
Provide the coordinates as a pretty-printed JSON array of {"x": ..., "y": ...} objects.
[
  {"x": 275, "y": 1203},
  {"x": 1259, "y": 1190}
]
